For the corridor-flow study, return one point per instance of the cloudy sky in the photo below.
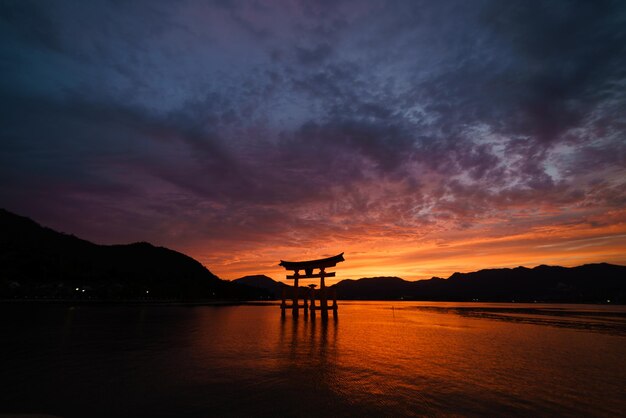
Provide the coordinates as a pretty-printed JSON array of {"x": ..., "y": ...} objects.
[{"x": 420, "y": 137}]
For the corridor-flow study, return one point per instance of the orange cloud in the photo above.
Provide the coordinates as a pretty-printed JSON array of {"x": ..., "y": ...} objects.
[{"x": 439, "y": 254}]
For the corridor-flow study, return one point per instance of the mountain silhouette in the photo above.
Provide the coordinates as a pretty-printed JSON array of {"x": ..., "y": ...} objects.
[
  {"x": 589, "y": 283},
  {"x": 38, "y": 262},
  {"x": 273, "y": 288},
  {"x": 260, "y": 281},
  {"x": 592, "y": 283}
]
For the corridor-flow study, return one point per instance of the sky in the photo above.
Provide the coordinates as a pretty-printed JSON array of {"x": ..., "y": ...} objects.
[{"x": 419, "y": 137}]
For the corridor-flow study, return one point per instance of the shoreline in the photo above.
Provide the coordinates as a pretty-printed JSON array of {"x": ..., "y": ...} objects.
[
  {"x": 233, "y": 302},
  {"x": 136, "y": 302}
]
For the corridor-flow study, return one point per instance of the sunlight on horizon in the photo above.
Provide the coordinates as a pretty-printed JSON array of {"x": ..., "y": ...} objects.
[{"x": 368, "y": 258}]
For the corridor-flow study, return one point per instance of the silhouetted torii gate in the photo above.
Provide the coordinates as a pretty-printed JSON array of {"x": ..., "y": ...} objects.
[{"x": 308, "y": 267}]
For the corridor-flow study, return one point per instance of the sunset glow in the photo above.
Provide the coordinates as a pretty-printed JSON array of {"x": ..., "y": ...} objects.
[{"x": 422, "y": 258}]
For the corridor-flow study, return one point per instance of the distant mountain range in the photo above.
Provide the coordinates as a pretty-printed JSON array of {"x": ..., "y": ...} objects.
[
  {"x": 37, "y": 262},
  {"x": 590, "y": 283},
  {"x": 273, "y": 288}
]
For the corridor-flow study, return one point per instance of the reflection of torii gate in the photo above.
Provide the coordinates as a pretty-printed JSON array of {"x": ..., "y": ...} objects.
[{"x": 309, "y": 267}]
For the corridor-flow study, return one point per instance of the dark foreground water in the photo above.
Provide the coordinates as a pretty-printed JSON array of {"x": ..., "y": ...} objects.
[{"x": 377, "y": 359}]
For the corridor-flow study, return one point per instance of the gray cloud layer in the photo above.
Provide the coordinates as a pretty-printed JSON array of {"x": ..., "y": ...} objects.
[{"x": 233, "y": 121}]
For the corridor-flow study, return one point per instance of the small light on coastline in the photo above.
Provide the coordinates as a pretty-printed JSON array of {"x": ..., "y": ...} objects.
[
  {"x": 83, "y": 290},
  {"x": 77, "y": 289},
  {"x": 147, "y": 291}
]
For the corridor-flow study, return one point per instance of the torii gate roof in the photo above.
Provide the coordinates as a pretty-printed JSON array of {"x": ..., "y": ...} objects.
[{"x": 312, "y": 264}]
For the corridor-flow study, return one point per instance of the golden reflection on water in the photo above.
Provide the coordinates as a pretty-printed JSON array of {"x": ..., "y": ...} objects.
[
  {"x": 414, "y": 360},
  {"x": 375, "y": 359},
  {"x": 308, "y": 336}
]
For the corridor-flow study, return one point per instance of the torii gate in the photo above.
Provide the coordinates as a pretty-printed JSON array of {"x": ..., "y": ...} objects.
[{"x": 309, "y": 267}]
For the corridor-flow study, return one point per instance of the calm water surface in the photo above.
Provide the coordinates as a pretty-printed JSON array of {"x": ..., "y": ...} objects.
[{"x": 376, "y": 359}]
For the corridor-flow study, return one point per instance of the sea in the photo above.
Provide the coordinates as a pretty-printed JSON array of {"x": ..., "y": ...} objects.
[{"x": 387, "y": 359}]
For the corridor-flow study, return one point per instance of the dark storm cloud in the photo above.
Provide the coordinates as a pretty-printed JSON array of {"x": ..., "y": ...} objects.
[
  {"x": 569, "y": 53},
  {"x": 250, "y": 119}
]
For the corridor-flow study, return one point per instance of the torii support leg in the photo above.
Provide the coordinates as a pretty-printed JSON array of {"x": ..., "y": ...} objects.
[
  {"x": 323, "y": 304},
  {"x": 334, "y": 301},
  {"x": 312, "y": 296},
  {"x": 294, "y": 307}
]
